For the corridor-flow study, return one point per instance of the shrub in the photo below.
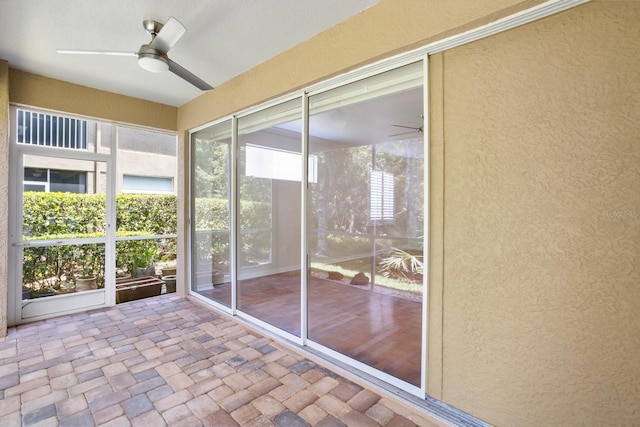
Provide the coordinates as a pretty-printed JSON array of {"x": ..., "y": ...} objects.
[
  {"x": 60, "y": 216},
  {"x": 212, "y": 217},
  {"x": 72, "y": 214}
]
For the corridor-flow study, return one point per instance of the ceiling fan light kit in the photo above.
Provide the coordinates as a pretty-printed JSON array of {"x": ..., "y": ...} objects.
[
  {"x": 152, "y": 60},
  {"x": 153, "y": 56}
]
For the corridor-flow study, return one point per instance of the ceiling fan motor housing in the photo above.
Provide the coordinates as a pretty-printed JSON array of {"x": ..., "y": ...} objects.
[
  {"x": 151, "y": 59},
  {"x": 152, "y": 27}
]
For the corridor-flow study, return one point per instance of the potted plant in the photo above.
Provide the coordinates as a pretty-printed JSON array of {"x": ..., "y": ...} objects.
[
  {"x": 142, "y": 258},
  {"x": 44, "y": 291},
  {"x": 168, "y": 264},
  {"x": 90, "y": 262},
  {"x": 66, "y": 288},
  {"x": 170, "y": 282},
  {"x": 86, "y": 281}
]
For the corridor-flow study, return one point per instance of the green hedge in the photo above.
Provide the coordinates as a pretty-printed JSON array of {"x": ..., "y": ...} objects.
[
  {"x": 67, "y": 213},
  {"x": 212, "y": 215},
  {"x": 155, "y": 214},
  {"x": 63, "y": 213},
  {"x": 59, "y": 216}
]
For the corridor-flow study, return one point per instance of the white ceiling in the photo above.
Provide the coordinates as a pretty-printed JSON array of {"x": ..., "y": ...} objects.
[{"x": 224, "y": 38}]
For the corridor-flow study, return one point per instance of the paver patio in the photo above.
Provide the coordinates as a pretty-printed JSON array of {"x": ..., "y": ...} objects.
[{"x": 170, "y": 361}]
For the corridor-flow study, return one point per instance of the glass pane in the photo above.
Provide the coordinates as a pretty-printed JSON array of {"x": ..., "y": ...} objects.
[
  {"x": 366, "y": 222},
  {"x": 269, "y": 175},
  {"x": 62, "y": 199},
  {"x": 68, "y": 201},
  {"x": 146, "y": 202},
  {"x": 211, "y": 198},
  {"x": 61, "y": 269},
  {"x": 138, "y": 259}
]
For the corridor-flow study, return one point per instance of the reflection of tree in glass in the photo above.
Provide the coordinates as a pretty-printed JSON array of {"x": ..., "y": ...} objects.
[
  {"x": 339, "y": 202},
  {"x": 211, "y": 169}
]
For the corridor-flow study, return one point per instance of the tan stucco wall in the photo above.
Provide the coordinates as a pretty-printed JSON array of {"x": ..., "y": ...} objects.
[
  {"x": 541, "y": 246},
  {"x": 4, "y": 191},
  {"x": 43, "y": 92}
]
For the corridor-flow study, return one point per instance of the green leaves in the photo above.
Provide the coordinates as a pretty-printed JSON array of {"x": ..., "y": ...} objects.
[
  {"x": 74, "y": 215},
  {"x": 61, "y": 216}
]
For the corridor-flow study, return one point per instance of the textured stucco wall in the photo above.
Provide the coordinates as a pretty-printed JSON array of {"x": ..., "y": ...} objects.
[
  {"x": 4, "y": 191},
  {"x": 43, "y": 92},
  {"x": 541, "y": 243}
]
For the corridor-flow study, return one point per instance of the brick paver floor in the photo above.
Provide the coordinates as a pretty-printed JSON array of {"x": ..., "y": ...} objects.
[{"x": 169, "y": 361}]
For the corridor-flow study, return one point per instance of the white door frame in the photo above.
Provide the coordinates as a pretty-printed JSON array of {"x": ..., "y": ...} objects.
[{"x": 47, "y": 307}]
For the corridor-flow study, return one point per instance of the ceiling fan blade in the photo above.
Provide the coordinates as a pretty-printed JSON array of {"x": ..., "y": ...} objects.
[
  {"x": 169, "y": 35},
  {"x": 188, "y": 76},
  {"x": 398, "y": 134},
  {"x": 406, "y": 127},
  {"x": 95, "y": 52}
]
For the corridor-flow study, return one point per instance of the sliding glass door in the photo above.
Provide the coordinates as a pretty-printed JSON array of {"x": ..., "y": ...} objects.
[
  {"x": 366, "y": 222},
  {"x": 333, "y": 259},
  {"x": 211, "y": 213},
  {"x": 269, "y": 177}
]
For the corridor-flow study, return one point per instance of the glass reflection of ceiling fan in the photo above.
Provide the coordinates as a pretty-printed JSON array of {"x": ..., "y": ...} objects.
[{"x": 414, "y": 129}]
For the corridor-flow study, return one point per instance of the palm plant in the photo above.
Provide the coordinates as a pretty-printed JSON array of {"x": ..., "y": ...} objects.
[{"x": 403, "y": 262}]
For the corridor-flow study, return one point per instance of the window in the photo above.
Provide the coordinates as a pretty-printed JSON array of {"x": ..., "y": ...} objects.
[
  {"x": 146, "y": 185},
  {"x": 272, "y": 163},
  {"x": 51, "y": 131},
  {"x": 381, "y": 196},
  {"x": 51, "y": 180}
]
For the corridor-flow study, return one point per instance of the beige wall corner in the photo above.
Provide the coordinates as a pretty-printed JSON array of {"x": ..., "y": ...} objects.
[
  {"x": 4, "y": 192},
  {"x": 43, "y": 92},
  {"x": 542, "y": 221}
]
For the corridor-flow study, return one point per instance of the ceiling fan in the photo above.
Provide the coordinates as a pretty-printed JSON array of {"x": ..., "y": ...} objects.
[
  {"x": 418, "y": 130},
  {"x": 153, "y": 56}
]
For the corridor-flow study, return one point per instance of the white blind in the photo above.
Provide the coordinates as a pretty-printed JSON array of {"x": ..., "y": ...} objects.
[{"x": 381, "y": 196}]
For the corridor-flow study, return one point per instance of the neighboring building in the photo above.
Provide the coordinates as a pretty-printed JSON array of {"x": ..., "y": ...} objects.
[{"x": 147, "y": 161}]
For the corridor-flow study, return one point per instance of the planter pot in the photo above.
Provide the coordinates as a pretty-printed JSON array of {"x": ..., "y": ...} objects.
[
  {"x": 86, "y": 283},
  {"x": 170, "y": 281},
  {"x": 144, "y": 271},
  {"x": 169, "y": 271},
  {"x": 42, "y": 294},
  {"x": 132, "y": 289}
]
